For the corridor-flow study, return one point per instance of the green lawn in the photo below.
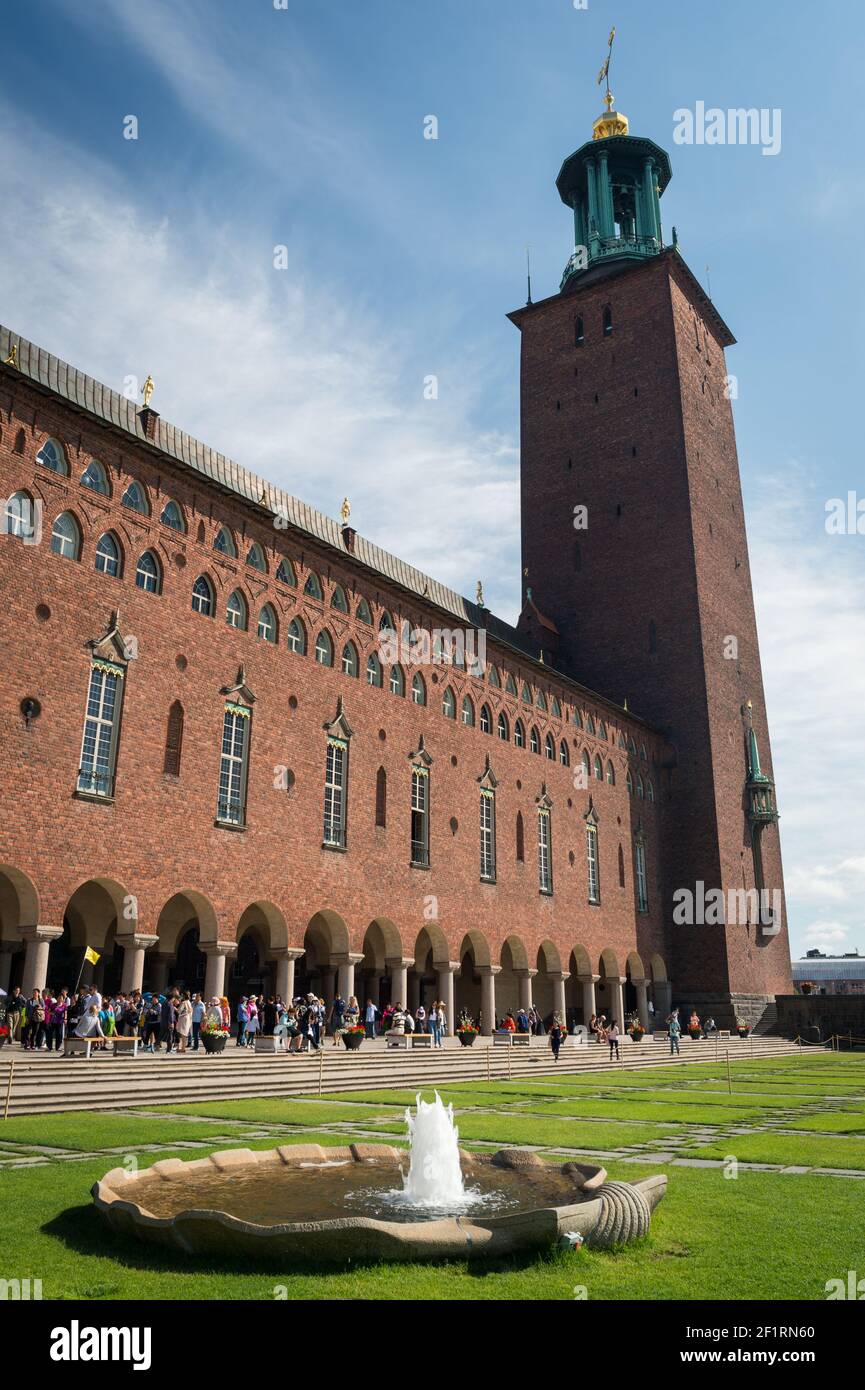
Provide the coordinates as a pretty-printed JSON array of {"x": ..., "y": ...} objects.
[{"x": 711, "y": 1238}]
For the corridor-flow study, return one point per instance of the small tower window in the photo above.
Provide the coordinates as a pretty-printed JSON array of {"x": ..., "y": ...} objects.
[
  {"x": 607, "y": 321},
  {"x": 579, "y": 337}
]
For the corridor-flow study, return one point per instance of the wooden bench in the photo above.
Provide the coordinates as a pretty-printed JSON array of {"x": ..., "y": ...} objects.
[
  {"x": 269, "y": 1043},
  {"x": 76, "y": 1047},
  {"x": 421, "y": 1040},
  {"x": 513, "y": 1039},
  {"x": 124, "y": 1045},
  {"x": 83, "y": 1047},
  {"x": 393, "y": 1039}
]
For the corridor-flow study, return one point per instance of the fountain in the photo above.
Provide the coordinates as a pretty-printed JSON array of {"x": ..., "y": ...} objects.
[{"x": 312, "y": 1204}]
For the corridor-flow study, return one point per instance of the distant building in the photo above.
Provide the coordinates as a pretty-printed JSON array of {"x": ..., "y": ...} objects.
[{"x": 829, "y": 974}]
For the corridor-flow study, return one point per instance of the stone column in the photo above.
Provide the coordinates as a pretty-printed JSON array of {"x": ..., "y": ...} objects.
[
  {"x": 372, "y": 985},
  {"x": 446, "y": 974},
  {"x": 134, "y": 947},
  {"x": 6, "y": 964},
  {"x": 38, "y": 941},
  {"x": 663, "y": 995},
  {"x": 158, "y": 972},
  {"x": 589, "y": 1006},
  {"x": 217, "y": 953},
  {"x": 525, "y": 978},
  {"x": 285, "y": 956},
  {"x": 398, "y": 968},
  {"x": 328, "y": 983},
  {"x": 488, "y": 975},
  {"x": 617, "y": 1000},
  {"x": 558, "y": 978},
  {"x": 346, "y": 966},
  {"x": 642, "y": 1001},
  {"x": 414, "y": 992}
]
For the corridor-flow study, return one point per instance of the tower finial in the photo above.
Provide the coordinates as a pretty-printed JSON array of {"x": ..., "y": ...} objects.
[{"x": 612, "y": 122}]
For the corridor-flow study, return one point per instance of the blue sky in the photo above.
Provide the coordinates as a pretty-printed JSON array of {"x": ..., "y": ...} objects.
[{"x": 304, "y": 127}]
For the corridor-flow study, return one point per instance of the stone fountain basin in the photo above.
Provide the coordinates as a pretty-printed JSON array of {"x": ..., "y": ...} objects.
[{"x": 603, "y": 1213}]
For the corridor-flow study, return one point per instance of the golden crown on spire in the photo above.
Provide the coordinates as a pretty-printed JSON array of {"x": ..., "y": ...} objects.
[{"x": 612, "y": 122}]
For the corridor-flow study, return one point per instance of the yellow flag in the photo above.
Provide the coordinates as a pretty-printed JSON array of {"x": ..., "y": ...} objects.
[{"x": 91, "y": 955}]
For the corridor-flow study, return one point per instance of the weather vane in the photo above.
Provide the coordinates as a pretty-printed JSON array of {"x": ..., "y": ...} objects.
[{"x": 604, "y": 74}]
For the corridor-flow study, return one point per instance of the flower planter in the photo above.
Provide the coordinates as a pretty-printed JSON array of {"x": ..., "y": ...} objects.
[
  {"x": 4, "y": 1038},
  {"x": 467, "y": 1039},
  {"x": 743, "y": 1032},
  {"x": 694, "y": 1033},
  {"x": 637, "y": 1037},
  {"x": 212, "y": 1042},
  {"x": 353, "y": 1040}
]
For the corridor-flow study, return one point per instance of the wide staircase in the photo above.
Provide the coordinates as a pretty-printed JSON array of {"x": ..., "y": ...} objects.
[{"x": 39, "y": 1083}]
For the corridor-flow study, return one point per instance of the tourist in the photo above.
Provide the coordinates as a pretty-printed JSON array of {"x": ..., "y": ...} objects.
[
  {"x": 435, "y": 1023},
  {"x": 335, "y": 1018},
  {"x": 397, "y": 1020},
  {"x": 88, "y": 1025},
  {"x": 16, "y": 1008},
  {"x": 167, "y": 1021},
  {"x": 92, "y": 996},
  {"x": 152, "y": 1021},
  {"x": 370, "y": 1015},
  {"x": 522, "y": 1019},
  {"x": 269, "y": 1018},
  {"x": 674, "y": 1032},
  {"x": 184, "y": 1022},
  {"x": 130, "y": 1016},
  {"x": 420, "y": 1018},
  {"x": 557, "y": 1036},
  {"x": 443, "y": 1020},
  {"x": 34, "y": 1026},
  {"x": 198, "y": 1012},
  {"x": 409, "y": 1021},
  {"x": 694, "y": 1023},
  {"x": 710, "y": 1026},
  {"x": 242, "y": 1020},
  {"x": 351, "y": 1017},
  {"x": 57, "y": 1020},
  {"x": 509, "y": 1023},
  {"x": 613, "y": 1039}
]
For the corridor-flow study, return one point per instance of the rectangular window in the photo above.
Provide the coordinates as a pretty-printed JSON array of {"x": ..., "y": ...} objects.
[
  {"x": 642, "y": 886},
  {"x": 545, "y": 863},
  {"x": 420, "y": 816},
  {"x": 592, "y": 857},
  {"x": 231, "y": 806},
  {"x": 488, "y": 835},
  {"x": 101, "y": 724},
  {"x": 335, "y": 784}
]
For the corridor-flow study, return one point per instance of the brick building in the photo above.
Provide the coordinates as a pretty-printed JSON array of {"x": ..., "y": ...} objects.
[{"x": 247, "y": 749}]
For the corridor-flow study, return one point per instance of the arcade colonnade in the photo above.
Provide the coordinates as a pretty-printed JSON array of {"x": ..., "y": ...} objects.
[{"x": 184, "y": 948}]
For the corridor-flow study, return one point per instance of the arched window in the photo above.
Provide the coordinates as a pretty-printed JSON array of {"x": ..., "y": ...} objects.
[
  {"x": 418, "y": 689},
  {"x": 519, "y": 734},
  {"x": 135, "y": 498},
  {"x": 564, "y": 755},
  {"x": 19, "y": 518},
  {"x": 148, "y": 573},
  {"x": 526, "y": 694},
  {"x": 381, "y": 798},
  {"x": 579, "y": 337},
  {"x": 549, "y": 748},
  {"x": 237, "y": 612},
  {"x": 486, "y": 720},
  {"x": 629, "y": 782},
  {"x": 621, "y": 868},
  {"x": 173, "y": 741},
  {"x": 653, "y": 636},
  {"x": 52, "y": 455},
  {"x": 349, "y": 659},
  {"x": 397, "y": 681},
  {"x": 494, "y": 678},
  {"x": 108, "y": 555},
  {"x": 386, "y": 623},
  {"x": 590, "y": 724},
  {"x": 650, "y": 791},
  {"x": 521, "y": 842},
  {"x": 468, "y": 712},
  {"x": 66, "y": 536},
  {"x": 555, "y": 708},
  {"x": 510, "y": 685},
  {"x": 449, "y": 704},
  {"x": 285, "y": 572},
  {"x": 643, "y": 754},
  {"x": 95, "y": 478},
  {"x": 267, "y": 627},
  {"x": 602, "y": 730},
  {"x": 255, "y": 558},
  {"x": 324, "y": 649},
  {"x": 202, "y": 596},
  {"x": 577, "y": 718},
  {"x": 172, "y": 516},
  {"x": 312, "y": 587},
  {"x": 534, "y": 740},
  {"x": 223, "y": 541},
  {"x": 541, "y": 701},
  {"x": 607, "y": 321},
  {"x": 502, "y": 727},
  {"x": 338, "y": 599},
  {"x": 611, "y": 775},
  {"x": 373, "y": 670},
  {"x": 599, "y": 769},
  {"x": 640, "y": 788},
  {"x": 363, "y": 612},
  {"x": 297, "y": 637},
  {"x": 587, "y": 764},
  {"x": 632, "y": 747}
]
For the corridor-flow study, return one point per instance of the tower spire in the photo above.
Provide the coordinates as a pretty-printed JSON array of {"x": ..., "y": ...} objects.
[{"x": 612, "y": 122}]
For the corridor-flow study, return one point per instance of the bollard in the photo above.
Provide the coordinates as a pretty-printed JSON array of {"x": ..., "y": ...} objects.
[
  {"x": 510, "y": 1050},
  {"x": 489, "y": 1050},
  {"x": 729, "y": 1076},
  {"x": 9, "y": 1088},
  {"x": 320, "y": 1068}
]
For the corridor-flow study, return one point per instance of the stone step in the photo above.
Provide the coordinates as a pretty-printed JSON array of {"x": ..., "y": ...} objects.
[{"x": 44, "y": 1083}]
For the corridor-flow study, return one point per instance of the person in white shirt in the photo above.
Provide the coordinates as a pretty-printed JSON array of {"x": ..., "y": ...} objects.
[
  {"x": 94, "y": 997},
  {"x": 88, "y": 1024}
]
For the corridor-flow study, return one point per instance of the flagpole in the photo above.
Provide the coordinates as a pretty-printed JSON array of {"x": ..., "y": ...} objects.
[{"x": 81, "y": 971}]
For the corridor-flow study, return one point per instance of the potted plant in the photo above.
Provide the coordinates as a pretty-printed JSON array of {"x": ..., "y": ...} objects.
[
  {"x": 214, "y": 1036},
  {"x": 637, "y": 1031},
  {"x": 4, "y": 1035},
  {"x": 466, "y": 1032},
  {"x": 354, "y": 1036},
  {"x": 743, "y": 1027}
]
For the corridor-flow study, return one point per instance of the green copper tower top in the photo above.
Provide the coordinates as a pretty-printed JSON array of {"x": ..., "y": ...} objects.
[{"x": 613, "y": 184}]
